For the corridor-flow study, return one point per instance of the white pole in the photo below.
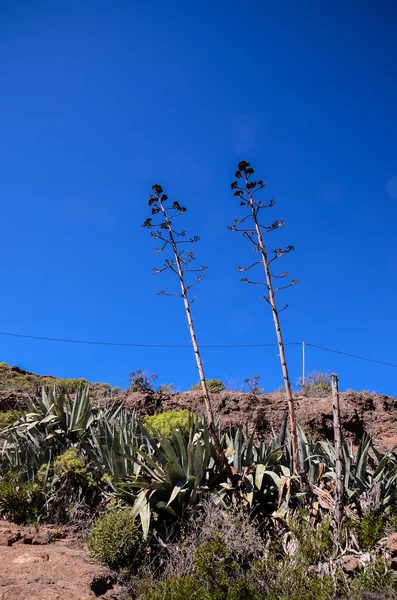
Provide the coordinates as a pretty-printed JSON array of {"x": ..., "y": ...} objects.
[{"x": 303, "y": 362}]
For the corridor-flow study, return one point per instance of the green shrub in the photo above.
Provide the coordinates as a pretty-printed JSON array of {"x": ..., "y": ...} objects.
[
  {"x": 242, "y": 588},
  {"x": 184, "y": 587},
  {"x": 315, "y": 385},
  {"x": 169, "y": 420},
  {"x": 369, "y": 529},
  {"x": 315, "y": 544},
  {"x": 215, "y": 567},
  {"x": 288, "y": 579},
  {"x": 20, "y": 503},
  {"x": 116, "y": 540},
  {"x": 375, "y": 578},
  {"x": 9, "y": 416},
  {"x": 70, "y": 487},
  {"x": 213, "y": 385},
  {"x": 70, "y": 462}
]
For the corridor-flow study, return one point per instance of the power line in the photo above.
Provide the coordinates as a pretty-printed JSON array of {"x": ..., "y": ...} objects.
[
  {"x": 136, "y": 345},
  {"x": 379, "y": 362},
  {"x": 133, "y": 345}
]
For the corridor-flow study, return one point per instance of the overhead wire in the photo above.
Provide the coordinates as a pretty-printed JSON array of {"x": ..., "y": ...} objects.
[{"x": 140, "y": 345}]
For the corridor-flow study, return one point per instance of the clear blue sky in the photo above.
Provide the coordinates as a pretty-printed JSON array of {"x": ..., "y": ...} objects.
[{"x": 99, "y": 100}]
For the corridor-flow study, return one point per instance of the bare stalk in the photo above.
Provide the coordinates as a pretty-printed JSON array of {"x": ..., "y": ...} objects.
[
  {"x": 169, "y": 238},
  {"x": 255, "y": 232},
  {"x": 339, "y": 504}
]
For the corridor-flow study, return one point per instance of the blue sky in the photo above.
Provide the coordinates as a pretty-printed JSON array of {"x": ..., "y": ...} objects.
[{"x": 102, "y": 99}]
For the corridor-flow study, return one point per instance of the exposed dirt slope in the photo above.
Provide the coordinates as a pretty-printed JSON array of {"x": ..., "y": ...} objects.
[
  {"x": 374, "y": 413},
  {"x": 34, "y": 569}
]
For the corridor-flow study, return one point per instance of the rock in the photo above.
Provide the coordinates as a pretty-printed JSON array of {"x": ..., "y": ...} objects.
[
  {"x": 58, "y": 573},
  {"x": 27, "y": 538},
  {"x": 102, "y": 583},
  {"x": 312, "y": 569},
  {"x": 350, "y": 564},
  {"x": 8, "y": 537},
  {"x": 40, "y": 539},
  {"x": 393, "y": 564},
  {"x": 391, "y": 544}
]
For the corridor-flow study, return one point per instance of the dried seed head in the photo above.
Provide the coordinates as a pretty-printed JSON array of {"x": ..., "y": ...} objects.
[{"x": 157, "y": 189}]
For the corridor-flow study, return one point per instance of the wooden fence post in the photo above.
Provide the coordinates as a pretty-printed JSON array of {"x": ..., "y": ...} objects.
[{"x": 339, "y": 500}]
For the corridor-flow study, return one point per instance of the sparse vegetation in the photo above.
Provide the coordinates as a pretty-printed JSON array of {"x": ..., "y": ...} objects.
[
  {"x": 141, "y": 381},
  {"x": 166, "y": 388},
  {"x": 20, "y": 503},
  {"x": 213, "y": 385},
  {"x": 315, "y": 385},
  {"x": 9, "y": 416},
  {"x": 253, "y": 386}
]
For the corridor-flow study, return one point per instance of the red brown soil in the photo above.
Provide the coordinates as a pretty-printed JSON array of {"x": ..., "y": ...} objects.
[
  {"x": 373, "y": 413},
  {"x": 35, "y": 566}
]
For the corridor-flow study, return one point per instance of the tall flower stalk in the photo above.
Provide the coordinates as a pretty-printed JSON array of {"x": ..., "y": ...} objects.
[
  {"x": 179, "y": 263},
  {"x": 246, "y": 189}
]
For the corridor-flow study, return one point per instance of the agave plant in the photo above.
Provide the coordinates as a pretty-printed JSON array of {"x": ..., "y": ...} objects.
[
  {"x": 51, "y": 424},
  {"x": 170, "y": 473},
  {"x": 111, "y": 446},
  {"x": 24, "y": 452}
]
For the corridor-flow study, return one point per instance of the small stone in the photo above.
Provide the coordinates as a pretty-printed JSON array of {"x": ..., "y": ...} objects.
[
  {"x": 28, "y": 538},
  {"x": 393, "y": 564},
  {"x": 391, "y": 544},
  {"x": 312, "y": 569},
  {"x": 40, "y": 539},
  {"x": 8, "y": 537},
  {"x": 351, "y": 564}
]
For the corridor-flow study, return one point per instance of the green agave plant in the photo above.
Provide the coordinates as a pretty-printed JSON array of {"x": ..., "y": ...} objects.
[
  {"x": 57, "y": 413},
  {"x": 111, "y": 446},
  {"x": 172, "y": 472},
  {"x": 51, "y": 424}
]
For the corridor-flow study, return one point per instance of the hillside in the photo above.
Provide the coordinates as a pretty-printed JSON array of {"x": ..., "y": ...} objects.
[{"x": 360, "y": 411}]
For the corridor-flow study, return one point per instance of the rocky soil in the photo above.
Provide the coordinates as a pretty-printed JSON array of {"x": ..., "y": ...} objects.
[
  {"x": 373, "y": 413},
  {"x": 360, "y": 411},
  {"x": 47, "y": 564}
]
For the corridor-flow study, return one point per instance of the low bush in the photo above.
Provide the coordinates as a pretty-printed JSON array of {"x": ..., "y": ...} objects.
[
  {"x": 9, "y": 416},
  {"x": 315, "y": 542},
  {"x": 368, "y": 529},
  {"x": 72, "y": 463},
  {"x": 376, "y": 578},
  {"x": 21, "y": 504},
  {"x": 214, "y": 565},
  {"x": 116, "y": 540},
  {"x": 69, "y": 486},
  {"x": 166, "y": 388},
  {"x": 315, "y": 385},
  {"x": 141, "y": 381},
  {"x": 252, "y": 385},
  {"x": 169, "y": 420},
  {"x": 213, "y": 385},
  {"x": 184, "y": 587}
]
